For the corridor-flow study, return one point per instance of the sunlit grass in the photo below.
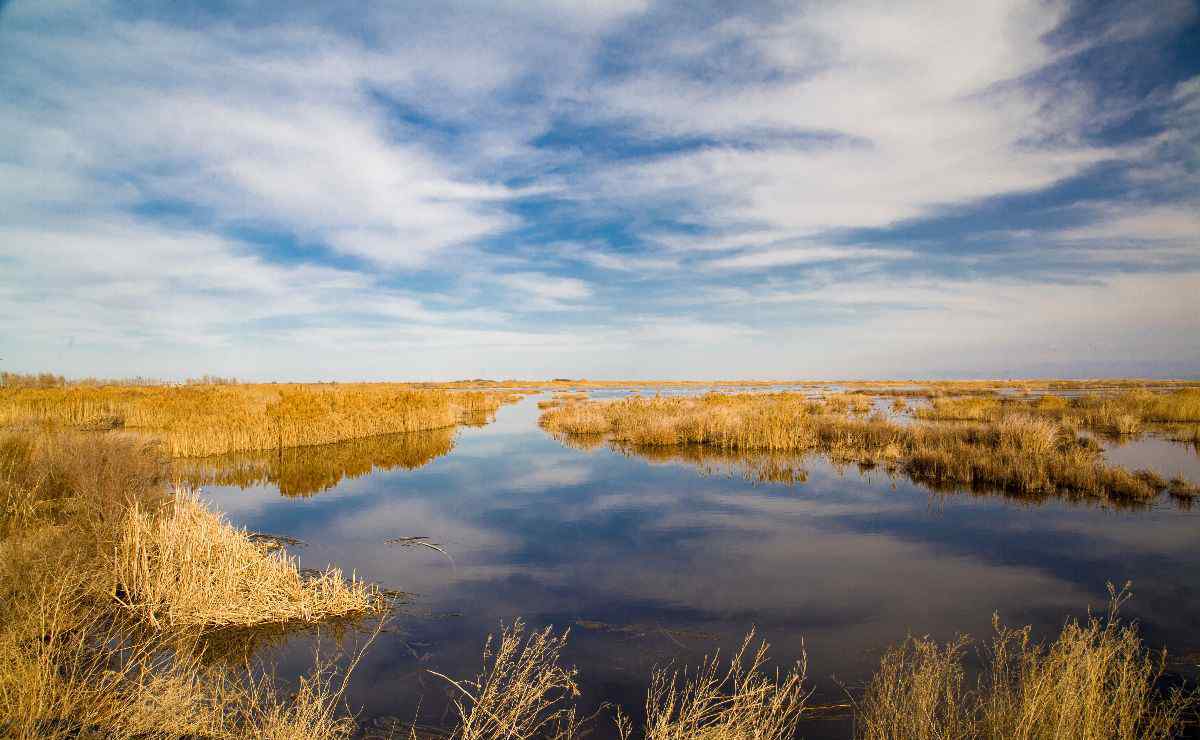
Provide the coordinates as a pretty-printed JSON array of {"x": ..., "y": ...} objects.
[
  {"x": 723, "y": 702},
  {"x": 524, "y": 691},
  {"x": 213, "y": 419},
  {"x": 1019, "y": 453},
  {"x": 1126, "y": 412},
  {"x": 108, "y": 585},
  {"x": 184, "y": 566},
  {"x": 1097, "y": 680}
]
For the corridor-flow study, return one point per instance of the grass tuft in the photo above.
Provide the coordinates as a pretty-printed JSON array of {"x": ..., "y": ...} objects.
[
  {"x": 1097, "y": 680},
  {"x": 108, "y": 586},
  {"x": 716, "y": 703},
  {"x": 522, "y": 691},
  {"x": 184, "y": 566},
  {"x": 1021, "y": 454}
]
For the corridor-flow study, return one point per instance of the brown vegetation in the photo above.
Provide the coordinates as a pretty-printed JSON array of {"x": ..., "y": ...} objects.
[
  {"x": 1096, "y": 680},
  {"x": 1020, "y": 454},
  {"x": 715, "y": 703},
  {"x": 525, "y": 692},
  {"x": 107, "y": 585},
  {"x": 214, "y": 419},
  {"x": 183, "y": 565},
  {"x": 1121, "y": 413}
]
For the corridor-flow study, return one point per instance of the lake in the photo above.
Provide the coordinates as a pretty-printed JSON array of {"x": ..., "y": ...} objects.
[{"x": 657, "y": 560}]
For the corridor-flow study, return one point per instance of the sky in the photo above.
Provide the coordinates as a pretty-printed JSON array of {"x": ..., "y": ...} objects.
[{"x": 624, "y": 189}]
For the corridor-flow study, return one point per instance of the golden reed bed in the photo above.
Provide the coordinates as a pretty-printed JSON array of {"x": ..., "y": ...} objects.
[
  {"x": 213, "y": 419},
  {"x": 110, "y": 585},
  {"x": 1020, "y": 453}
]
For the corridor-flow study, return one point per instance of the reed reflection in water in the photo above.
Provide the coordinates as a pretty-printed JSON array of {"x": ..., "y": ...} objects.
[{"x": 305, "y": 471}]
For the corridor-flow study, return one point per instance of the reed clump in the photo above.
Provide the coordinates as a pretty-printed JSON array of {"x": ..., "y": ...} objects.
[
  {"x": 525, "y": 692},
  {"x": 1020, "y": 453},
  {"x": 108, "y": 585},
  {"x": 1128, "y": 412},
  {"x": 213, "y": 419},
  {"x": 1097, "y": 680},
  {"x": 1122, "y": 413},
  {"x": 961, "y": 409},
  {"x": 182, "y": 565},
  {"x": 758, "y": 466},
  {"x": 69, "y": 670},
  {"x": 571, "y": 396},
  {"x": 522, "y": 692},
  {"x": 740, "y": 700}
]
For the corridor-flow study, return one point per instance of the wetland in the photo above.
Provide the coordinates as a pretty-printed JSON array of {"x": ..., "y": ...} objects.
[
  {"x": 649, "y": 545},
  {"x": 664, "y": 554}
]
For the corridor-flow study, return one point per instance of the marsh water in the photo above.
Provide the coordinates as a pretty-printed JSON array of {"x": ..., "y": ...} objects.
[{"x": 664, "y": 559}]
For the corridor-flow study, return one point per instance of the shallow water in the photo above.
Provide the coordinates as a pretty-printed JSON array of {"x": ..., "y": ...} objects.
[{"x": 652, "y": 561}]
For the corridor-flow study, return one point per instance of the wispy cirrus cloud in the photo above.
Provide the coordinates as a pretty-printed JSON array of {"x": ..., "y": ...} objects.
[
  {"x": 221, "y": 189},
  {"x": 803, "y": 255},
  {"x": 544, "y": 292}
]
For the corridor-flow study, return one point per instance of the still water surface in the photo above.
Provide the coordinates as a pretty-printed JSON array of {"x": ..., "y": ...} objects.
[{"x": 653, "y": 561}]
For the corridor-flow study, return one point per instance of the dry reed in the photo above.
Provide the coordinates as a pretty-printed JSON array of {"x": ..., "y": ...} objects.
[
  {"x": 199, "y": 420},
  {"x": 68, "y": 670},
  {"x": 91, "y": 513},
  {"x": 715, "y": 703},
  {"x": 184, "y": 566},
  {"x": 1126, "y": 412},
  {"x": 522, "y": 691},
  {"x": 1095, "y": 681},
  {"x": 1020, "y": 454}
]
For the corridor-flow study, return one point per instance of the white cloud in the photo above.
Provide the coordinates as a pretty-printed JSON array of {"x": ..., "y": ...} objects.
[
  {"x": 1117, "y": 222},
  {"x": 716, "y": 243},
  {"x": 597, "y": 255},
  {"x": 282, "y": 133},
  {"x": 661, "y": 332},
  {"x": 540, "y": 291},
  {"x": 858, "y": 114},
  {"x": 913, "y": 106},
  {"x": 768, "y": 258}
]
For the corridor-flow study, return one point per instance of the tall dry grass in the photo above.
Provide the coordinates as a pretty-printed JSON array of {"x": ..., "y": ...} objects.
[
  {"x": 525, "y": 692},
  {"x": 106, "y": 586},
  {"x": 1020, "y": 454},
  {"x": 182, "y": 565},
  {"x": 1125, "y": 412},
  {"x": 69, "y": 670},
  {"x": 1097, "y": 680},
  {"x": 213, "y": 419},
  {"x": 522, "y": 692},
  {"x": 740, "y": 700}
]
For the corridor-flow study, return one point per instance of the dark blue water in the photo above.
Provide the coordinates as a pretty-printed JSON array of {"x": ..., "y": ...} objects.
[{"x": 654, "y": 561}]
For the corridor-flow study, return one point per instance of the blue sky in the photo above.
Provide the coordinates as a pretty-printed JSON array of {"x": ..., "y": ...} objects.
[{"x": 625, "y": 189}]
